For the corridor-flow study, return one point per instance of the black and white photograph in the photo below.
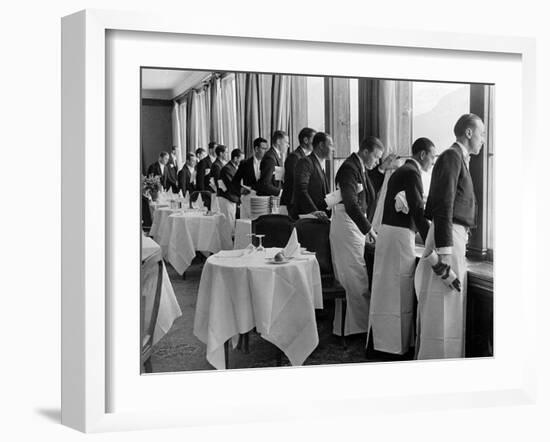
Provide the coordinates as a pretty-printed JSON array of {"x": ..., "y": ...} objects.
[{"x": 292, "y": 220}]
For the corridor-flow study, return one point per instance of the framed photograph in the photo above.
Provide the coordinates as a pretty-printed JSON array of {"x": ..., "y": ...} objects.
[{"x": 141, "y": 93}]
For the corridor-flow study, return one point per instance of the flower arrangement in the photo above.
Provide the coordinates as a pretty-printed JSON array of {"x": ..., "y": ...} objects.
[{"x": 151, "y": 186}]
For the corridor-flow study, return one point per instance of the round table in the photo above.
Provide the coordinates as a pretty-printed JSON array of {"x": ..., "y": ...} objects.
[
  {"x": 187, "y": 232},
  {"x": 240, "y": 291}
]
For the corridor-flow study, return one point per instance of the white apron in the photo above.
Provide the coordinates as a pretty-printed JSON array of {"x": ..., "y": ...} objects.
[
  {"x": 348, "y": 246},
  {"x": 441, "y": 310},
  {"x": 229, "y": 209},
  {"x": 391, "y": 308}
]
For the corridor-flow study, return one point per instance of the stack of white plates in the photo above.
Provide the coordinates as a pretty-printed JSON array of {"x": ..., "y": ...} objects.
[
  {"x": 259, "y": 205},
  {"x": 274, "y": 203}
]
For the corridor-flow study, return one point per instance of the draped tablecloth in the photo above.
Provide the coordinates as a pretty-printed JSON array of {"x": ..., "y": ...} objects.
[
  {"x": 169, "y": 309},
  {"x": 237, "y": 294},
  {"x": 159, "y": 221},
  {"x": 186, "y": 233}
]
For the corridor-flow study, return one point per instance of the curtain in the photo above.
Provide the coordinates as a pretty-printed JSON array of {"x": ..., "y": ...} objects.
[
  {"x": 183, "y": 119},
  {"x": 265, "y": 82},
  {"x": 177, "y": 133},
  {"x": 229, "y": 112},
  {"x": 385, "y": 111},
  {"x": 280, "y": 102},
  {"x": 248, "y": 110},
  {"x": 214, "y": 90},
  {"x": 298, "y": 109},
  {"x": 198, "y": 134}
]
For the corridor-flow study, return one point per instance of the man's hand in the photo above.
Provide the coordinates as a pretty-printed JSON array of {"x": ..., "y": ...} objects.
[
  {"x": 445, "y": 259},
  {"x": 244, "y": 191},
  {"x": 387, "y": 164},
  {"x": 371, "y": 236},
  {"x": 320, "y": 214}
]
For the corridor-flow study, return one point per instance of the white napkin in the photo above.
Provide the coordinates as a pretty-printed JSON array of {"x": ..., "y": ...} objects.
[
  {"x": 212, "y": 184},
  {"x": 199, "y": 204},
  {"x": 401, "y": 202},
  {"x": 214, "y": 204},
  {"x": 292, "y": 248},
  {"x": 279, "y": 173},
  {"x": 222, "y": 186},
  {"x": 180, "y": 194},
  {"x": 307, "y": 216},
  {"x": 333, "y": 198}
]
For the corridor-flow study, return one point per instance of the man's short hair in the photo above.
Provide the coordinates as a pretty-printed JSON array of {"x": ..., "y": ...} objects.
[
  {"x": 220, "y": 148},
  {"x": 235, "y": 153},
  {"x": 422, "y": 144},
  {"x": 258, "y": 141},
  {"x": 277, "y": 135},
  {"x": 464, "y": 122},
  {"x": 163, "y": 154},
  {"x": 370, "y": 143},
  {"x": 306, "y": 132},
  {"x": 174, "y": 148},
  {"x": 199, "y": 151},
  {"x": 212, "y": 145},
  {"x": 320, "y": 137},
  {"x": 189, "y": 156}
]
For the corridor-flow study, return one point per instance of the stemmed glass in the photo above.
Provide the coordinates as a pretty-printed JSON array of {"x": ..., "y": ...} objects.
[
  {"x": 251, "y": 246},
  {"x": 260, "y": 247}
]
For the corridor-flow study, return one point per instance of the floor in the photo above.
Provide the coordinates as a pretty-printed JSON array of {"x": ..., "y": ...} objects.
[{"x": 180, "y": 350}]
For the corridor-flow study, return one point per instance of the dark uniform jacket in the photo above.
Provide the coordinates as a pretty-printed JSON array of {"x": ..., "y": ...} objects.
[
  {"x": 184, "y": 181},
  {"x": 154, "y": 169},
  {"x": 451, "y": 198},
  {"x": 202, "y": 177},
  {"x": 245, "y": 172},
  {"x": 226, "y": 175},
  {"x": 267, "y": 184},
  {"x": 310, "y": 186},
  {"x": 407, "y": 178},
  {"x": 172, "y": 175},
  {"x": 290, "y": 166}
]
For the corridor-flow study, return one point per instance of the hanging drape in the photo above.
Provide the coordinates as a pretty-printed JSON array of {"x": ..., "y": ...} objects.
[
  {"x": 177, "y": 133},
  {"x": 183, "y": 120},
  {"x": 298, "y": 109},
  {"x": 280, "y": 103},
  {"x": 229, "y": 112},
  {"x": 385, "y": 111},
  {"x": 215, "y": 120},
  {"x": 198, "y": 127},
  {"x": 265, "y": 82}
]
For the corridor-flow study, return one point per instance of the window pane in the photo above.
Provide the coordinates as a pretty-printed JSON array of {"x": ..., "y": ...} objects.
[
  {"x": 316, "y": 103},
  {"x": 436, "y": 108}
]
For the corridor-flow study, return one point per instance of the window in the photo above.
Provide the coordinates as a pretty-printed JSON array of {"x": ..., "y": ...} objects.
[
  {"x": 316, "y": 103},
  {"x": 436, "y": 108}
]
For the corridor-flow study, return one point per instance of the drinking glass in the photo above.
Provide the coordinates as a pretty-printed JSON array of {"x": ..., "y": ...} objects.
[{"x": 260, "y": 247}]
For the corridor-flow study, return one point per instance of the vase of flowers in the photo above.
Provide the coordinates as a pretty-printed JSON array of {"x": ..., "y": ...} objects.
[{"x": 151, "y": 187}]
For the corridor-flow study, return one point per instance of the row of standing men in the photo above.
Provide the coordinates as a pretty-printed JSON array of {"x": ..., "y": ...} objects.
[{"x": 383, "y": 308}]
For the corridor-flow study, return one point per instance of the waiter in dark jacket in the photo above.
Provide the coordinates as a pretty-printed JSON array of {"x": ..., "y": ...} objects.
[
  {"x": 392, "y": 295},
  {"x": 305, "y": 138},
  {"x": 204, "y": 166},
  {"x": 271, "y": 167},
  {"x": 311, "y": 184},
  {"x": 159, "y": 168},
  {"x": 350, "y": 225},
  {"x": 452, "y": 208},
  {"x": 172, "y": 171},
  {"x": 228, "y": 193},
  {"x": 187, "y": 175}
]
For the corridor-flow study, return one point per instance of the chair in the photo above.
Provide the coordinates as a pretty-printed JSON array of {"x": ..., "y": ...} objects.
[
  {"x": 151, "y": 283},
  {"x": 276, "y": 228},
  {"x": 313, "y": 234},
  {"x": 146, "y": 218}
]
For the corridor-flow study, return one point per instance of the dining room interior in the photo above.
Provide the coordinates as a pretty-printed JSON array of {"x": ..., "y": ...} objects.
[{"x": 236, "y": 275}]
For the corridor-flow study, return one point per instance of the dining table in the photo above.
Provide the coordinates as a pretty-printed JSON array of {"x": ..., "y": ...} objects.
[
  {"x": 241, "y": 290},
  {"x": 184, "y": 232},
  {"x": 169, "y": 309}
]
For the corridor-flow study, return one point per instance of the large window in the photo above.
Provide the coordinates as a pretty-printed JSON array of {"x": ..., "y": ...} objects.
[{"x": 316, "y": 103}]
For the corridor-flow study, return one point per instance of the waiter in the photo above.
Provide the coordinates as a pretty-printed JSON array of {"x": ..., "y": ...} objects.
[
  {"x": 271, "y": 166},
  {"x": 229, "y": 195},
  {"x": 452, "y": 208},
  {"x": 349, "y": 229},
  {"x": 391, "y": 310}
]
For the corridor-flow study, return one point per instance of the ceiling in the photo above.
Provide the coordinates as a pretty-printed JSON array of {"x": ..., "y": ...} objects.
[{"x": 166, "y": 84}]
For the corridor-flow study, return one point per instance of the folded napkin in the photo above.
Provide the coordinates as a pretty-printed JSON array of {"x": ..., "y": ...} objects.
[
  {"x": 333, "y": 198},
  {"x": 199, "y": 204},
  {"x": 214, "y": 204},
  {"x": 292, "y": 248},
  {"x": 222, "y": 186},
  {"x": 401, "y": 202},
  {"x": 212, "y": 184},
  {"x": 279, "y": 173},
  {"x": 307, "y": 216}
]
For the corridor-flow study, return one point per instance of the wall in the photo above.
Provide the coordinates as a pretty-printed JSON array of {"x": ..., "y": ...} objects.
[{"x": 156, "y": 130}]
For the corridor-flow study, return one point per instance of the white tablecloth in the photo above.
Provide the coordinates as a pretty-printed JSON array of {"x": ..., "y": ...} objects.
[
  {"x": 185, "y": 233},
  {"x": 169, "y": 309},
  {"x": 237, "y": 294},
  {"x": 243, "y": 227},
  {"x": 159, "y": 221}
]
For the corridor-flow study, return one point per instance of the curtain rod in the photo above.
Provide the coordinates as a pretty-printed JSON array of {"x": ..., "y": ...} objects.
[{"x": 203, "y": 83}]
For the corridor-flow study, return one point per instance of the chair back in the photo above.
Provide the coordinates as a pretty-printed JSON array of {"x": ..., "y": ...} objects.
[
  {"x": 276, "y": 228},
  {"x": 313, "y": 234},
  {"x": 151, "y": 289},
  {"x": 146, "y": 218}
]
